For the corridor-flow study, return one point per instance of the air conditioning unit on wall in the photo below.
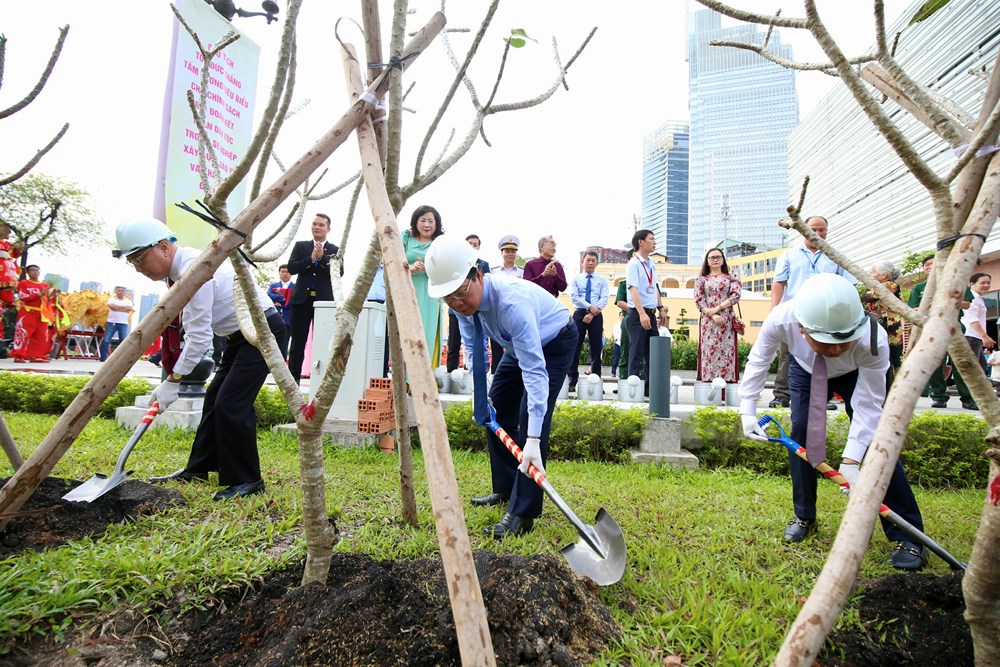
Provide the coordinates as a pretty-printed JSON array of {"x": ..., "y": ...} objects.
[{"x": 365, "y": 362}]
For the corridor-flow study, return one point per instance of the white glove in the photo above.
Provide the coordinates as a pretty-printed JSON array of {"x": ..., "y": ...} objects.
[
  {"x": 531, "y": 454},
  {"x": 849, "y": 471},
  {"x": 166, "y": 394},
  {"x": 752, "y": 429}
]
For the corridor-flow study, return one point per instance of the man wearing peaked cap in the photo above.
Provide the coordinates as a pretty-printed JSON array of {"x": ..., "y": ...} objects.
[
  {"x": 508, "y": 248},
  {"x": 509, "y": 241}
]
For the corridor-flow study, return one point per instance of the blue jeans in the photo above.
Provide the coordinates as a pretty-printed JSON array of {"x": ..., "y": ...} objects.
[{"x": 111, "y": 329}]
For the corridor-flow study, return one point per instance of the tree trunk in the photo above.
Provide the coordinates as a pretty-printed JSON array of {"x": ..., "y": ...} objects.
[
  {"x": 9, "y": 446},
  {"x": 468, "y": 608}
]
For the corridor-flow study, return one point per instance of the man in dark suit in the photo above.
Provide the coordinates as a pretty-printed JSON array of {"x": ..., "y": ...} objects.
[{"x": 310, "y": 261}]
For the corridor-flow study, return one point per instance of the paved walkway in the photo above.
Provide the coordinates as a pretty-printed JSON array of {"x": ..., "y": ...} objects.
[{"x": 684, "y": 406}]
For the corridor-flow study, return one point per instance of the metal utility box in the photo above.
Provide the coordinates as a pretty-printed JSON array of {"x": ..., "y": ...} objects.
[{"x": 364, "y": 363}]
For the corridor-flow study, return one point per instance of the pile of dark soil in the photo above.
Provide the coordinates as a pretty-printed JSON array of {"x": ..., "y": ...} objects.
[
  {"x": 907, "y": 619},
  {"x": 398, "y": 613},
  {"x": 46, "y": 520}
]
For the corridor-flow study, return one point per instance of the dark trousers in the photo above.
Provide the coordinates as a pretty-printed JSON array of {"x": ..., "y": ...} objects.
[
  {"x": 616, "y": 355},
  {"x": 511, "y": 404},
  {"x": 496, "y": 353},
  {"x": 625, "y": 345},
  {"x": 595, "y": 334},
  {"x": 454, "y": 342},
  {"x": 899, "y": 495},
  {"x": 781, "y": 379},
  {"x": 302, "y": 317},
  {"x": 226, "y": 439},
  {"x": 638, "y": 353},
  {"x": 937, "y": 386}
]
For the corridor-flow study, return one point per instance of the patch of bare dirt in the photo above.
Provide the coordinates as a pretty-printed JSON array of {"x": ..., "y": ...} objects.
[
  {"x": 398, "y": 613},
  {"x": 46, "y": 520},
  {"x": 907, "y": 619}
]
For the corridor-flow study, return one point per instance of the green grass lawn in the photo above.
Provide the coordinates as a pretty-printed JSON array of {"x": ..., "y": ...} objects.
[{"x": 708, "y": 575}]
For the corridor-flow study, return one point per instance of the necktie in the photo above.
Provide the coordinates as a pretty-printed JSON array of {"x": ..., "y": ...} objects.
[
  {"x": 479, "y": 409},
  {"x": 816, "y": 433},
  {"x": 587, "y": 296}
]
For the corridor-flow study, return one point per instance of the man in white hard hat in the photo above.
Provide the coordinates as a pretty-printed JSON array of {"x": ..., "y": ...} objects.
[
  {"x": 539, "y": 339},
  {"x": 226, "y": 439},
  {"x": 834, "y": 347}
]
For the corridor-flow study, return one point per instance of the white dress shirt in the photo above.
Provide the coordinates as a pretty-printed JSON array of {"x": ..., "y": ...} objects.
[{"x": 781, "y": 326}]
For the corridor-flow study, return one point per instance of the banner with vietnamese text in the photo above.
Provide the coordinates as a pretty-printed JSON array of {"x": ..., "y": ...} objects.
[{"x": 228, "y": 119}]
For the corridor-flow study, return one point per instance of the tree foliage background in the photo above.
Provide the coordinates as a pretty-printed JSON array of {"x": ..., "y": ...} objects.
[{"x": 51, "y": 212}]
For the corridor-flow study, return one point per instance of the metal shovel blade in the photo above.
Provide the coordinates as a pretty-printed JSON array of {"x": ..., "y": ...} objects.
[
  {"x": 604, "y": 570},
  {"x": 99, "y": 484},
  {"x": 600, "y": 554},
  {"x": 96, "y": 486}
]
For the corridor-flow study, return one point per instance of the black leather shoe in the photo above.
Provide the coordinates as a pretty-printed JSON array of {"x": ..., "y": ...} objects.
[
  {"x": 509, "y": 525},
  {"x": 831, "y": 406},
  {"x": 939, "y": 404},
  {"x": 970, "y": 405},
  {"x": 779, "y": 403},
  {"x": 181, "y": 475},
  {"x": 240, "y": 490},
  {"x": 798, "y": 529},
  {"x": 908, "y": 556},
  {"x": 489, "y": 499}
]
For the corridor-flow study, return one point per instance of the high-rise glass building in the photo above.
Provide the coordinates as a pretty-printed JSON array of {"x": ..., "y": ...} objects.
[
  {"x": 665, "y": 189},
  {"x": 876, "y": 207},
  {"x": 743, "y": 109}
]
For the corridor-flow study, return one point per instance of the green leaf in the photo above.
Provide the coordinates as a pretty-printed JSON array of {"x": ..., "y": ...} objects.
[
  {"x": 927, "y": 10},
  {"x": 516, "y": 41}
]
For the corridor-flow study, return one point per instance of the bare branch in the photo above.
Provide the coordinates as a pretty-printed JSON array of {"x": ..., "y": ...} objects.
[
  {"x": 880, "y": 46},
  {"x": 285, "y": 54},
  {"x": 897, "y": 141},
  {"x": 784, "y": 62},
  {"x": 42, "y": 80},
  {"x": 459, "y": 75},
  {"x": 751, "y": 17},
  {"x": 986, "y": 134},
  {"x": 7, "y": 180},
  {"x": 855, "y": 269},
  {"x": 279, "y": 120}
]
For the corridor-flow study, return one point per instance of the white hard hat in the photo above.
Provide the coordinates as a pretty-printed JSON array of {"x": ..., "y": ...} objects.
[
  {"x": 828, "y": 308},
  {"x": 134, "y": 235},
  {"x": 447, "y": 263}
]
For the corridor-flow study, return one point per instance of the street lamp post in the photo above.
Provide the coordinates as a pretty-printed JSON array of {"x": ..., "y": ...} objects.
[{"x": 228, "y": 9}]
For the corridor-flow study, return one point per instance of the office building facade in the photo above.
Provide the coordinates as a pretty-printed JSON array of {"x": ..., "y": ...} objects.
[
  {"x": 665, "y": 189},
  {"x": 876, "y": 208},
  {"x": 743, "y": 109}
]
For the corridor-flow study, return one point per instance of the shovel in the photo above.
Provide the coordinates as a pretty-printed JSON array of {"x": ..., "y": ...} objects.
[
  {"x": 600, "y": 554},
  {"x": 883, "y": 511},
  {"x": 99, "y": 484}
]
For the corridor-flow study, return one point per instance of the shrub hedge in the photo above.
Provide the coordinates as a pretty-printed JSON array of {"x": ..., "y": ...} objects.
[
  {"x": 52, "y": 394},
  {"x": 940, "y": 450}
]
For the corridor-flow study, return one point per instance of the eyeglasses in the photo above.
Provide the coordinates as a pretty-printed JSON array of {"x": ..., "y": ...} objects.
[
  {"x": 839, "y": 335},
  {"x": 457, "y": 295},
  {"x": 136, "y": 258},
  {"x": 718, "y": 257}
]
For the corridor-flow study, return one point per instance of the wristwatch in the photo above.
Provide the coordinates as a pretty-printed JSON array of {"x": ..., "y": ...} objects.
[{"x": 175, "y": 377}]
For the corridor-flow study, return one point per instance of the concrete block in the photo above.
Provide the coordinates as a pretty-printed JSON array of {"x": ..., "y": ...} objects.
[
  {"x": 662, "y": 436},
  {"x": 681, "y": 460}
]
